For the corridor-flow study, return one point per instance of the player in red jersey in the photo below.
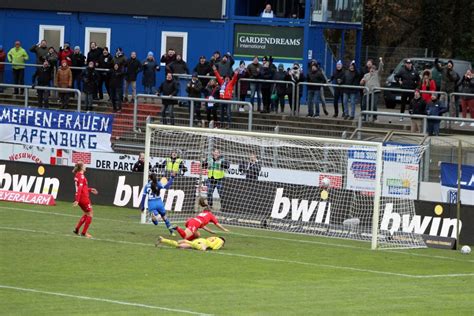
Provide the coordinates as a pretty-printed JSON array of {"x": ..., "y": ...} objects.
[
  {"x": 193, "y": 224},
  {"x": 82, "y": 199}
]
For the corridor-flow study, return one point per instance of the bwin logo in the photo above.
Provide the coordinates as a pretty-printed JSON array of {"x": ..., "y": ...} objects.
[{"x": 24, "y": 183}]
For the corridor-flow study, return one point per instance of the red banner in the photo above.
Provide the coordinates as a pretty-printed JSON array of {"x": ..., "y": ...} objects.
[{"x": 27, "y": 197}]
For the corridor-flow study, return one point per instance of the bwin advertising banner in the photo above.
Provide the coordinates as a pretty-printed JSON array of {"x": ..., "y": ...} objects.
[{"x": 58, "y": 129}]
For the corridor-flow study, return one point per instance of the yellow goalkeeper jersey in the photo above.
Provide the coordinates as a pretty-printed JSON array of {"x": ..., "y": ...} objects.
[{"x": 214, "y": 243}]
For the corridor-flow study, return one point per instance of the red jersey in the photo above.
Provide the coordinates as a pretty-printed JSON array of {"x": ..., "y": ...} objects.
[
  {"x": 82, "y": 190},
  {"x": 205, "y": 217}
]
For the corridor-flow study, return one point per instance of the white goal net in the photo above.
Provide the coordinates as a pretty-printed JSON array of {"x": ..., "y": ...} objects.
[{"x": 329, "y": 187}]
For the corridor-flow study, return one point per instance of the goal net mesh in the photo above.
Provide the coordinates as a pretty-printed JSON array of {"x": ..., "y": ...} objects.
[{"x": 291, "y": 184}]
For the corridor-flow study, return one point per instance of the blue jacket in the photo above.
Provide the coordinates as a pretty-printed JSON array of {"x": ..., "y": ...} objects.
[{"x": 435, "y": 109}]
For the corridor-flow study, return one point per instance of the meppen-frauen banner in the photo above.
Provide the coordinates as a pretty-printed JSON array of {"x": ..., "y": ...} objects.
[{"x": 58, "y": 129}]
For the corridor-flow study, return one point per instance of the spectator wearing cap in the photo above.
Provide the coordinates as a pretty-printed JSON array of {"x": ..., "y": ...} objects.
[
  {"x": 449, "y": 82},
  {"x": 266, "y": 73},
  {"x": 65, "y": 53},
  {"x": 78, "y": 60},
  {"x": 338, "y": 79},
  {"x": 225, "y": 65},
  {"x": 267, "y": 12},
  {"x": 417, "y": 107},
  {"x": 254, "y": 73},
  {"x": 194, "y": 89},
  {"x": 150, "y": 67},
  {"x": 168, "y": 58},
  {"x": 409, "y": 79},
  {"x": 280, "y": 88},
  {"x": 133, "y": 68},
  {"x": 351, "y": 78},
  {"x": 3, "y": 57},
  {"x": 434, "y": 108},
  {"x": 40, "y": 50},
  {"x": 203, "y": 68},
  {"x": 105, "y": 62},
  {"x": 244, "y": 85},
  {"x": 63, "y": 79},
  {"x": 18, "y": 56}
]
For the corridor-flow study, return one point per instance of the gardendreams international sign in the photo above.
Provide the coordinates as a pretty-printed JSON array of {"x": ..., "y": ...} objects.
[{"x": 279, "y": 42}]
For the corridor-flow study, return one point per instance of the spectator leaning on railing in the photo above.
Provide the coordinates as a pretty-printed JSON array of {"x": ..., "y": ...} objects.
[
  {"x": 371, "y": 80},
  {"x": 18, "y": 56}
]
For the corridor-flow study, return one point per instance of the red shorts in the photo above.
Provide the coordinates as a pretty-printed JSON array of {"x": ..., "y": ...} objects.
[
  {"x": 85, "y": 206},
  {"x": 193, "y": 225}
]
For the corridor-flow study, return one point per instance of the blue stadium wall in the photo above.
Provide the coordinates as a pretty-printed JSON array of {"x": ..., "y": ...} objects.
[{"x": 144, "y": 34}]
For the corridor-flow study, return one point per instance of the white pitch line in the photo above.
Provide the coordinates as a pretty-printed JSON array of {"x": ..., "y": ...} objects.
[
  {"x": 88, "y": 298},
  {"x": 260, "y": 236},
  {"x": 261, "y": 258}
]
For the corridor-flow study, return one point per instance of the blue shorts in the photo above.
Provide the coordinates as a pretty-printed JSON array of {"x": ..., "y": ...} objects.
[{"x": 156, "y": 207}]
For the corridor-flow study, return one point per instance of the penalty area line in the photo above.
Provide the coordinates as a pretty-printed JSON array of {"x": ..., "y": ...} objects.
[
  {"x": 322, "y": 265},
  {"x": 105, "y": 300}
]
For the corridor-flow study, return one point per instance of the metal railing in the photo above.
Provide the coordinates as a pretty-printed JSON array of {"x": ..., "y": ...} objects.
[
  {"x": 329, "y": 85},
  {"x": 27, "y": 87},
  {"x": 425, "y": 118},
  {"x": 58, "y": 65},
  {"x": 191, "y": 106},
  {"x": 293, "y": 85},
  {"x": 374, "y": 90}
]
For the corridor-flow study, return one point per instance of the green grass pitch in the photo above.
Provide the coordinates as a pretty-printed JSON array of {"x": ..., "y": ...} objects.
[{"x": 46, "y": 270}]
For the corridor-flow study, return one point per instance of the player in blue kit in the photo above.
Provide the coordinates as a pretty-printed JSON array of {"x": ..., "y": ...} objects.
[{"x": 155, "y": 204}]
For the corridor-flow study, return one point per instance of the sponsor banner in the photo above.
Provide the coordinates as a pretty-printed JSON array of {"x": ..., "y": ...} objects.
[
  {"x": 260, "y": 40},
  {"x": 266, "y": 204},
  {"x": 400, "y": 170},
  {"x": 58, "y": 129},
  {"x": 449, "y": 183},
  {"x": 27, "y": 197}
]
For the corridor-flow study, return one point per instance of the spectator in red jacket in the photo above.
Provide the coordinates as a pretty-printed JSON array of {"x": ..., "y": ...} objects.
[
  {"x": 226, "y": 93},
  {"x": 427, "y": 84},
  {"x": 65, "y": 53}
]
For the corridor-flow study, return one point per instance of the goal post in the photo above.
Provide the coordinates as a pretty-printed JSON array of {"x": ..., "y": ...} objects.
[{"x": 337, "y": 188}]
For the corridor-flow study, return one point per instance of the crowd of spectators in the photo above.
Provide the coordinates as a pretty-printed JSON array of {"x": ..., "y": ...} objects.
[{"x": 216, "y": 79}]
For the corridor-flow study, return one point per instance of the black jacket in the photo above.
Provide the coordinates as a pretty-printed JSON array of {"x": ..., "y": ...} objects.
[
  {"x": 266, "y": 73},
  {"x": 168, "y": 88},
  {"x": 251, "y": 170},
  {"x": 410, "y": 78},
  {"x": 351, "y": 78},
  {"x": 94, "y": 55},
  {"x": 78, "y": 60},
  {"x": 281, "y": 88},
  {"x": 179, "y": 67},
  {"x": 204, "y": 70},
  {"x": 42, "y": 76},
  {"x": 315, "y": 77},
  {"x": 418, "y": 106},
  {"x": 133, "y": 68},
  {"x": 338, "y": 77},
  {"x": 90, "y": 78},
  {"x": 116, "y": 78},
  {"x": 194, "y": 88},
  {"x": 105, "y": 61}
]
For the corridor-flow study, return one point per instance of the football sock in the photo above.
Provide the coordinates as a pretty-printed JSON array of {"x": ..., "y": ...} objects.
[
  {"x": 167, "y": 223},
  {"x": 169, "y": 242},
  {"x": 86, "y": 225},
  {"x": 181, "y": 231},
  {"x": 81, "y": 221}
]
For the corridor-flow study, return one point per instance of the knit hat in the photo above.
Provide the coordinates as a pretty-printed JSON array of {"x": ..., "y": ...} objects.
[
  {"x": 450, "y": 62},
  {"x": 77, "y": 48},
  {"x": 150, "y": 54},
  {"x": 339, "y": 63},
  {"x": 281, "y": 66},
  {"x": 195, "y": 75},
  {"x": 264, "y": 58},
  {"x": 417, "y": 90},
  {"x": 242, "y": 62}
]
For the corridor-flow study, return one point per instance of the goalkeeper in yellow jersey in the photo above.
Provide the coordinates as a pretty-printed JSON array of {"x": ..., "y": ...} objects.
[{"x": 212, "y": 243}]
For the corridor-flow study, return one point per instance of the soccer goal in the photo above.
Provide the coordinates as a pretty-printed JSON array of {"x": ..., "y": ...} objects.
[{"x": 320, "y": 186}]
